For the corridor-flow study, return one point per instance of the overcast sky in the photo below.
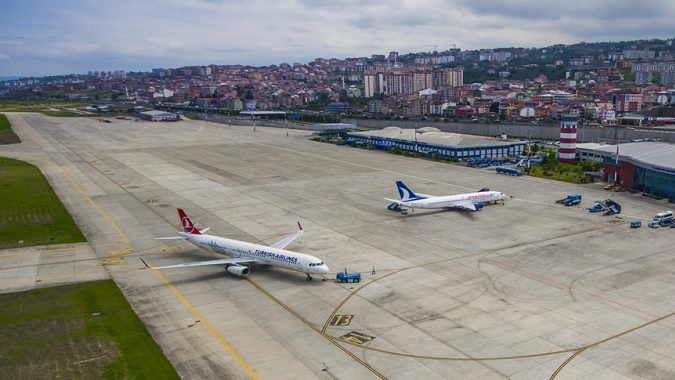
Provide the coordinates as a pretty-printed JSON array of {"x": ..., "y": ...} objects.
[{"x": 46, "y": 37}]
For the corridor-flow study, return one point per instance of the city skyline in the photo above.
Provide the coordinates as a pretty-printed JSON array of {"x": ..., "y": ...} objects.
[{"x": 42, "y": 38}]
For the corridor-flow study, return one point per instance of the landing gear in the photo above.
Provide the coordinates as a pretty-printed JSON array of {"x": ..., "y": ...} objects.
[{"x": 309, "y": 278}]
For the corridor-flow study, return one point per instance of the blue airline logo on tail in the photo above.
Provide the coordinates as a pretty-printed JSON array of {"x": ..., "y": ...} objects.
[{"x": 405, "y": 193}]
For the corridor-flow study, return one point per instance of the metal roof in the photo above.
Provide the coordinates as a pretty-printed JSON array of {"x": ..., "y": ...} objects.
[
  {"x": 262, "y": 113},
  {"x": 644, "y": 153},
  {"x": 647, "y": 153},
  {"x": 159, "y": 113},
  {"x": 434, "y": 137}
]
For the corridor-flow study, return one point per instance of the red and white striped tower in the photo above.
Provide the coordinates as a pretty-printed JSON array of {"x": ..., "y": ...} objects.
[{"x": 568, "y": 138}]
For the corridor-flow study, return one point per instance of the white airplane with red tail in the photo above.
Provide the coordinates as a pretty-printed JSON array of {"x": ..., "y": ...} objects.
[{"x": 242, "y": 254}]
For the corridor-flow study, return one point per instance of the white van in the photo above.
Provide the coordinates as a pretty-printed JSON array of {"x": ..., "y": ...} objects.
[{"x": 663, "y": 216}]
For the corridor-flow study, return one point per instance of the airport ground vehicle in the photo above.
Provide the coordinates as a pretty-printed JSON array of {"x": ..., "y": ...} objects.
[
  {"x": 663, "y": 216},
  {"x": 667, "y": 222},
  {"x": 598, "y": 206},
  {"x": 516, "y": 172},
  {"x": 612, "y": 207},
  {"x": 342, "y": 277},
  {"x": 608, "y": 187},
  {"x": 635, "y": 224},
  {"x": 653, "y": 225},
  {"x": 572, "y": 199},
  {"x": 618, "y": 189}
]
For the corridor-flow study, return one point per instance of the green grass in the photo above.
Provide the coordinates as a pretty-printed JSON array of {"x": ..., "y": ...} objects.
[
  {"x": 49, "y": 108},
  {"x": 562, "y": 172},
  {"x": 83, "y": 331},
  {"x": 7, "y": 136},
  {"x": 30, "y": 210},
  {"x": 190, "y": 116}
]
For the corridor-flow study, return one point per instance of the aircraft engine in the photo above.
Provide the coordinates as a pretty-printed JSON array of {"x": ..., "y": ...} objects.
[
  {"x": 238, "y": 270},
  {"x": 479, "y": 206}
]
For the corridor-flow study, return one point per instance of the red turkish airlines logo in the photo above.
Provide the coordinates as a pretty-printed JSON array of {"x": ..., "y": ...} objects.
[{"x": 187, "y": 225}]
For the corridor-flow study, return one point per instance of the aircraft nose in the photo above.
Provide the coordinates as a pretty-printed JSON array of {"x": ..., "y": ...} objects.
[{"x": 323, "y": 269}]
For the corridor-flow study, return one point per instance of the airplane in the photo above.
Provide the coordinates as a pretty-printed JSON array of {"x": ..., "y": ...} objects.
[
  {"x": 243, "y": 254},
  {"x": 468, "y": 201}
]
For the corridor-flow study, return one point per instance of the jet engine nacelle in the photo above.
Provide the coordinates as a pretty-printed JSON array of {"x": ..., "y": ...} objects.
[
  {"x": 478, "y": 206},
  {"x": 238, "y": 270}
]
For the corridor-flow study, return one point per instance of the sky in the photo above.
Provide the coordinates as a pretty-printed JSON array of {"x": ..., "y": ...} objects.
[{"x": 46, "y": 37}]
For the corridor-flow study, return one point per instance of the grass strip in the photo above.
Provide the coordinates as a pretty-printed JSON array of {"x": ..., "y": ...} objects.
[
  {"x": 30, "y": 212},
  {"x": 81, "y": 331}
]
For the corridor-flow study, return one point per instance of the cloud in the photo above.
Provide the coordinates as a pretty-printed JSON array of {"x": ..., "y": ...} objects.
[{"x": 42, "y": 36}]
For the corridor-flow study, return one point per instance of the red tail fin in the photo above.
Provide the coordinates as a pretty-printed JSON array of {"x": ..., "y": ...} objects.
[{"x": 188, "y": 226}]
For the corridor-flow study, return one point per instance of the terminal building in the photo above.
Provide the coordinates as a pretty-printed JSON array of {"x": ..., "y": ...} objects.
[
  {"x": 429, "y": 140},
  {"x": 648, "y": 167}
]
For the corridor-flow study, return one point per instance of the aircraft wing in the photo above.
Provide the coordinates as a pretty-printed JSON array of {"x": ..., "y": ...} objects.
[
  {"x": 393, "y": 200},
  {"x": 466, "y": 205},
  {"x": 288, "y": 239},
  {"x": 202, "y": 263}
]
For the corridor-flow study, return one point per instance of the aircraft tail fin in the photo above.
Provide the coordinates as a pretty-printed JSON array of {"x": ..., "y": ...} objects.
[
  {"x": 188, "y": 226},
  {"x": 405, "y": 193}
]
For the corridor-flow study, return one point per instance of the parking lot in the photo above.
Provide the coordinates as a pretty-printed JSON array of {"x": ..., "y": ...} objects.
[{"x": 526, "y": 290}]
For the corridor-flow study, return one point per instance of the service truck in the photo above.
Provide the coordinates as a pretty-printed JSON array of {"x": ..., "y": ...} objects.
[
  {"x": 572, "y": 199},
  {"x": 342, "y": 277}
]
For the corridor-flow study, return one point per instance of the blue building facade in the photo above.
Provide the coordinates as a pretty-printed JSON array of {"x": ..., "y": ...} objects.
[{"x": 431, "y": 143}]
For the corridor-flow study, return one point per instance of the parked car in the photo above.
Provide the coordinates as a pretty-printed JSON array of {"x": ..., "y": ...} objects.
[
  {"x": 667, "y": 223},
  {"x": 608, "y": 187},
  {"x": 653, "y": 225},
  {"x": 635, "y": 224},
  {"x": 619, "y": 189}
]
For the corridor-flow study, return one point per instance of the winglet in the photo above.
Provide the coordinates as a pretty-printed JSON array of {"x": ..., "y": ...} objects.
[{"x": 299, "y": 226}]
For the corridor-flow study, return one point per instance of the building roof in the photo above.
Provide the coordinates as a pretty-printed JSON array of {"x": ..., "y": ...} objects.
[
  {"x": 434, "y": 136},
  {"x": 159, "y": 113},
  {"x": 641, "y": 153},
  {"x": 262, "y": 113}
]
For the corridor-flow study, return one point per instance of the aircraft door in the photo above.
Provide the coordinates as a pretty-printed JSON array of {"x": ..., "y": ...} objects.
[{"x": 300, "y": 265}]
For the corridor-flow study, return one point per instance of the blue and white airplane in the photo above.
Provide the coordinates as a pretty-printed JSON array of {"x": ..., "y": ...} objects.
[
  {"x": 468, "y": 201},
  {"x": 243, "y": 254}
]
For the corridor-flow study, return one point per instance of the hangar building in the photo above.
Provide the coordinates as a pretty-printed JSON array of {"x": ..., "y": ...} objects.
[
  {"x": 644, "y": 166},
  {"x": 157, "y": 115},
  {"x": 429, "y": 140}
]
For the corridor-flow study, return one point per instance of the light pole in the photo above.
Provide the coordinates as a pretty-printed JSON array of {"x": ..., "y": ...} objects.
[
  {"x": 529, "y": 150},
  {"x": 616, "y": 162}
]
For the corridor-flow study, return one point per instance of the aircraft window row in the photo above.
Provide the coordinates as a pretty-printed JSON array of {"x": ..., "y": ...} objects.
[{"x": 316, "y": 264}]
